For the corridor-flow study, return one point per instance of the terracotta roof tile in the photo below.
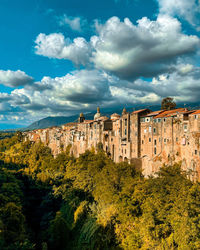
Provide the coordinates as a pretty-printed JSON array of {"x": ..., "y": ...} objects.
[
  {"x": 70, "y": 124},
  {"x": 139, "y": 111},
  {"x": 154, "y": 113},
  {"x": 88, "y": 121},
  {"x": 169, "y": 113},
  {"x": 196, "y": 112}
]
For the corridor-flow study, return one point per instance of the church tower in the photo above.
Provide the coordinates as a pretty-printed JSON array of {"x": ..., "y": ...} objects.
[
  {"x": 124, "y": 111},
  {"x": 81, "y": 118},
  {"x": 98, "y": 114}
]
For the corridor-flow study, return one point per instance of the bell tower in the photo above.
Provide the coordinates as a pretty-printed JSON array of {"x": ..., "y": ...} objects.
[
  {"x": 124, "y": 111},
  {"x": 81, "y": 118},
  {"x": 98, "y": 114}
]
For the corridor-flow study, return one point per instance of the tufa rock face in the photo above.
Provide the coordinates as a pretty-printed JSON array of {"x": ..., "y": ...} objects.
[{"x": 147, "y": 139}]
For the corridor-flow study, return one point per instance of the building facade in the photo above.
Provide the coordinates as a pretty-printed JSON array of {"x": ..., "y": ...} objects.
[{"x": 145, "y": 138}]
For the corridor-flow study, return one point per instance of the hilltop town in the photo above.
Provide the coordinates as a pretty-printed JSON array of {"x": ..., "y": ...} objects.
[{"x": 146, "y": 138}]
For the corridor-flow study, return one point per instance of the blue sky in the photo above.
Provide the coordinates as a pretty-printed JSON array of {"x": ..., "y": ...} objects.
[{"x": 63, "y": 57}]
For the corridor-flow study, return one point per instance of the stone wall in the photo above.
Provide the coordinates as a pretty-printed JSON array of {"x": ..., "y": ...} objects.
[{"x": 148, "y": 139}]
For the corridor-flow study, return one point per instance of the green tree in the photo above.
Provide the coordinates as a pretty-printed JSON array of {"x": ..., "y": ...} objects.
[
  {"x": 168, "y": 103},
  {"x": 59, "y": 233},
  {"x": 13, "y": 221}
]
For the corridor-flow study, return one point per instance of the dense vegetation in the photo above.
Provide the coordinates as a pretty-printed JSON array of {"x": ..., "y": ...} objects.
[{"x": 91, "y": 202}]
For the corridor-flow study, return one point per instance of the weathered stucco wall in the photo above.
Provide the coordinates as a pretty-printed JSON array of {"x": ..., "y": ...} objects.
[{"x": 148, "y": 139}]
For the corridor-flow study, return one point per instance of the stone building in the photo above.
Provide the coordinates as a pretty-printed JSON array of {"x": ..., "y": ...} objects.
[{"x": 145, "y": 138}]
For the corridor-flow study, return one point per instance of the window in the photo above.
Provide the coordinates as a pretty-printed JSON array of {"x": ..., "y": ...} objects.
[
  {"x": 154, "y": 130},
  {"x": 154, "y": 142},
  {"x": 125, "y": 151},
  {"x": 195, "y": 152},
  {"x": 165, "y": 140},
  {"x": 149, "y": 139},
  {"x": 125, "y": 131},
  {"x": 176, "y": 138},
  {"x": 142, "y": 142},
  {"x": 185, "y": 127},
  {"x": 149, "y": 128},
  {"x": 159, "y": 120},
  {"x": 125, "y": 122},
  {"x": 195, "y": 116},
  {"x": 155, "y": 151},
  {"x": 164, "y": 119}
]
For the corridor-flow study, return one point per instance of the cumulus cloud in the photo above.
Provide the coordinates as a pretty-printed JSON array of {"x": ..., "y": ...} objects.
[
  {"x": 75, "y": 23},
  {"x": 14, "y": 78},
  {"x": 133, "y": 96},
  {"x": 129, "y": 51},
  {"x": 4, "y": 97},
  {"x": 85, "y": 86},
  {"x": 57, "y": 46},
  {"x": 146, "y": 49},
  {"x": 83, "y": 90},
  {"x": 186, "y": 9},
  {"x": 117, "y": 61},
  {"x": 77, "y": 90},
  {"x": 183, "y": 84}
]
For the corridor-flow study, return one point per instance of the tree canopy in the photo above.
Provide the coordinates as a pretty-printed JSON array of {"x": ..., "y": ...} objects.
[
  {"x": 168, "y": 103},
  {"x": 92, "y": 203}
]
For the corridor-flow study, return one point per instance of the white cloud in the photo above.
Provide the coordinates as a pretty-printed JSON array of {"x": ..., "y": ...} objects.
[
  {"x": 14, "y": 78},
  {"x": 57, "y": 46},
  {"x": 186, "y": 9},
  {"x": 129, "y": 96},
  {"x": 185, "y": 68},
  {"x": 4, "y": 97},
  {"x": 77, "y": 90},
  {"x": 146, "y": 49},
  {"x": 75, "y": 23},
  {"x": 129, "y": 51},
  {"x": 1, "y": 117},
  {"x": 115, "y": 61},
  {"x": 83, "y": 90},
  {"x": 85, "y": 86},
  {"x": 183, "y": 84}
]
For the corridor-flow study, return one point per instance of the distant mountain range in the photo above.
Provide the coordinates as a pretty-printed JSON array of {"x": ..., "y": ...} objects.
[
  {"x": 60, "y": 120},
  {"x": 52, "y": 121}
]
